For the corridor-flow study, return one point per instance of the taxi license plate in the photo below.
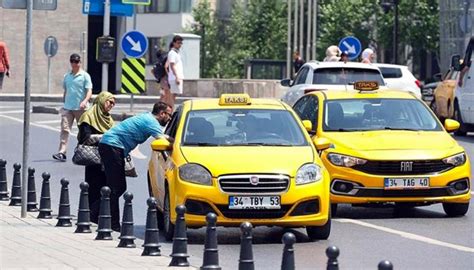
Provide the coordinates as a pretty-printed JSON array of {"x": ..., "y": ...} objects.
[
  {"x": 406, "y": 183},
  {"x": 254, "y": 202}
]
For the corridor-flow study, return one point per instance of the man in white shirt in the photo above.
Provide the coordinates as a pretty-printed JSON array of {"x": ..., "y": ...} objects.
[{"x": 175, "y": 73}]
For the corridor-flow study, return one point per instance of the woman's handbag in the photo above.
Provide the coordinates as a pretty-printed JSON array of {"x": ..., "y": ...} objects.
[
  {"x": 87, "y": 154},
  {"x": 130, "y": 167}
]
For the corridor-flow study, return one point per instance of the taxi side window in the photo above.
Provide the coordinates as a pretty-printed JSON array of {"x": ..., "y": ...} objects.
[
  {"x": 307, "y": 109},
  {"x": 172, "y": 126},
  {"x": 301, "y": 76}
]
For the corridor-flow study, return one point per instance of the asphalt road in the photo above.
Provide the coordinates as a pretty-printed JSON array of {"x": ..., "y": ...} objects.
[{"x": 423, "y": 238}]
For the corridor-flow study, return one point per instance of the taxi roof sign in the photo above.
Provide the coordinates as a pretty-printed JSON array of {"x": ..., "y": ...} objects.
[
  {"x": 366, "y": 85},
  {"x": 235, "y": 99}
]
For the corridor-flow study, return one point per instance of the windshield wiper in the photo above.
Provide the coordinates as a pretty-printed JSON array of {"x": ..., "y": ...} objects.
[
  {"x": 409, "y": 129},
  {"x": 200, "y": 144}
]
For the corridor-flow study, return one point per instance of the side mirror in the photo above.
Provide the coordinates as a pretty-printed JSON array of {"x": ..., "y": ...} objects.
[
  {"x": 322, "y": 143},
  {"x": 455, "y": 62},
  {"x": 285, "y": 82},
  {"x": 161, "y": 144},
  {"x": 438, "y": 77},
  {"x": 451, "y": 125},
  {"x": 308, "y": 125}
]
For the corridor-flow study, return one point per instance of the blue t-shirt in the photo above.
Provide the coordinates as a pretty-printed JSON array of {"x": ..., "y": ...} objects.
[
  {"x": 132, "y": 132},
  {"x": 76, "y": 87}
]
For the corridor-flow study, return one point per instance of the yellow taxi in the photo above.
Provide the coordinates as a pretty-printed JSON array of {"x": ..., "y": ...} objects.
[
  {"x": 386, "y": 147},
  {"x": 244, "y": 160}
]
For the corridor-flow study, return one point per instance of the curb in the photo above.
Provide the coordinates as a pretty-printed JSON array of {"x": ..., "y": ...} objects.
[{"x": 55, "y": 110}]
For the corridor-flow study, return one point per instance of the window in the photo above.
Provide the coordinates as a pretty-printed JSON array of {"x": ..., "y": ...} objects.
[
  {"x": 172, "y": 125},
  {"x": 391, "y": 73},
  {"x": 307, "y": 109},
  {"x": 154, "y": 44},
  {"x": 346, "y": 75},
  {"x": 301, "y": 76},
  {"x": 167, "y": 6}
]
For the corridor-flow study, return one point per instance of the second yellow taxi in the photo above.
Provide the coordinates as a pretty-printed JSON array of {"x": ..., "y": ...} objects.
[
  {"x": 244, "y": 160},
  {"x": 383, "y": 146}
]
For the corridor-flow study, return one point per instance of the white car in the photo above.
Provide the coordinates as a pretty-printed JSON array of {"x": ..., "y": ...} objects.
[
  {"x": 329, "y": 75},
  {"x": 399, "y": 77}
]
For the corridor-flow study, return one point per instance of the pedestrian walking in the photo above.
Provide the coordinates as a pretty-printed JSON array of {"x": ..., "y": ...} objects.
[
  {"x": 175, "y": 70},
  {"x": 4, "y": 62},
  {"x": 160, "y": 72},
  {"x": 368, "y": 56},
  {"x": 298, "y": 62},
  {"x": 77, "y": 86},
  {"x": 117, "y": 143},
  {"x": 92, "y": 125}
]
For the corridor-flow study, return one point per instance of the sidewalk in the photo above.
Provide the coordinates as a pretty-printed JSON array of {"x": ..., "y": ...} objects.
[{"x": 32, "y": 243}]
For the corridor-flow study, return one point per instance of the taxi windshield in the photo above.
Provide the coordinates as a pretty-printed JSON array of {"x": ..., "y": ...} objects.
[
  {"x": 378, "y": 114},
  {"x": 242, "y": 127}
]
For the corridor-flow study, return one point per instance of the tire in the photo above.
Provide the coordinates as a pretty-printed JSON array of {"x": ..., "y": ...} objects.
[
  {"x": 159, "y": 214},
  {"x": 168, "y": 227},
  {"x": 462, "y": 131},
  {"x": 455, "y": 209},
  {"x": 333, "y": 209},
  {"x": 319, "y": 232}
]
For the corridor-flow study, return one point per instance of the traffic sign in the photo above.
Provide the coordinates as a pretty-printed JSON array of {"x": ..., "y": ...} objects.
[
  {"x": 137, "y": 2},
  {"x": 37, "y": 4},
  {"x": 134, "y": 44},
  {"x": 133, "y": 76},
  {"x": 351, "y": 45},
  {"x": 50, "y": 46},
  {"x": 96, "y": 7}
]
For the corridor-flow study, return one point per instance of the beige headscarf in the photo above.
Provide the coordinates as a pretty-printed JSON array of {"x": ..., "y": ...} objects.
[
  {"x": 96, "y": 115},
  {"x": 332, "y": 54}
]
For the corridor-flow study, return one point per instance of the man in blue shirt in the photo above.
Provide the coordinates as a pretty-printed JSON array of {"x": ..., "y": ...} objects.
[
  {"x": 117, "y": 143},
  {"x": 77, "y": 86}
]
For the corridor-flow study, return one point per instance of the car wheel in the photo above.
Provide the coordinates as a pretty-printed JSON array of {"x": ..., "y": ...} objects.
[
  {"x": 319, "y": 232},
  {"x": 462, "y": 131},
  {"x": 455, "y": 209},
  {"x": 333, "y": 209},
  {"x": 168, "y": 227},
  {"x": 159, "y": 213}
]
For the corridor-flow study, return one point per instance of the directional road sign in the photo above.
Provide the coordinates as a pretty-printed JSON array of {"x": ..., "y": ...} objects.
[
  {"x": 351, "y": 45},
  {"x": 134, "y": 44},
  {"x": 50, "y": 46}
]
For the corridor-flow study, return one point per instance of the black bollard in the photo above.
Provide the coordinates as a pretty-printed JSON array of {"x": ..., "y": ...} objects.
[
  {"x": 15, "y": 199},
  {"x": 3, "y": 181},
  {"x": 104, "y": 230},
  {"x": 31, "y": 205},
  {"x": 180, "y": 240},
  {"x": 127, "y": 237},
  {"x": 332, "y": 252},
  {"x": 64, "y": 213},
  {"x": 288, "y": 259},
  {"x": 151, "y": 245},
  {"x": 246, "y": 253},
  {"x": 385, "y": 265},
  {"x": 83, "y": 213},
  {"x": 211, "y": 253},
  {"x": 45, "y": 199}
]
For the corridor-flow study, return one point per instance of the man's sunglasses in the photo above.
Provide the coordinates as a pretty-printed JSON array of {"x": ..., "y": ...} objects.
[{"x": 75, "y": 61}]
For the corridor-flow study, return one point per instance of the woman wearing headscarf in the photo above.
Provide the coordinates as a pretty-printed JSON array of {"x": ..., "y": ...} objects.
[
  {"x": 92, "y": 124},
  {"x": 368, "y": 56},
  {"x": 332, "y": 54}
]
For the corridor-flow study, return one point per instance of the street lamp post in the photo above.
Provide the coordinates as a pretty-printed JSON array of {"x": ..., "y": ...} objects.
[{"x": 387, "y": 6}]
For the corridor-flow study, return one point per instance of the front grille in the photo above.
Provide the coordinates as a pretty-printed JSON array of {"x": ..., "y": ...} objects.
[
  {"x": 433, "y": 192},
  {"x": 238, "y": 184},
  {"x": 253, "y": 213},
  {"x": 396, "y": 168}
]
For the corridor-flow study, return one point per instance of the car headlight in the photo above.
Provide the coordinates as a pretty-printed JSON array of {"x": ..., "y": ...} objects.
[
  {"x": 308, "y": 173},
  {"x": 346, "y": 161},
  {"x": 195, "y": 173},
  {"x": 456, "y": 160}
]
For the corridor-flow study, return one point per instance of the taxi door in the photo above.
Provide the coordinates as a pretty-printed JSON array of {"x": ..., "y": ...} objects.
[{"x": 444, "y": 95}]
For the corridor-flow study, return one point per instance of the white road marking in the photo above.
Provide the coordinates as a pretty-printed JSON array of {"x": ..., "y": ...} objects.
[
  {"x": 472, "y": 192},
  {"x": 410, "y": 236},
  {"x": 49, "y": 121},
  {"x": 16, "y": 111},
  {"x": 136, "y": 153},
  {"x": 35, "y": 124}
]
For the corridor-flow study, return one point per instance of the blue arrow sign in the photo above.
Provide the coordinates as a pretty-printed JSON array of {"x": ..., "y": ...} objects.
[
  {"x": 351, "y": 45},
  {"x": 134, "y": 44}
]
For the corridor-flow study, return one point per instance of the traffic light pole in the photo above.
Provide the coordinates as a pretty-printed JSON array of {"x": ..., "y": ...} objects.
[{"x": 105, "y": 66}]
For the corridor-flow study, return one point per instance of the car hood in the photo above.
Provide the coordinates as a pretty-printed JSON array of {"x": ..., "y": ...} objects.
[
  {"x": 249, "y": 159},
  {"x": 394, "y": 144}
]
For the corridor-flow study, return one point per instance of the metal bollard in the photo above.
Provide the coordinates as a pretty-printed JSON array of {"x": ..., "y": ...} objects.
[
  {"x": 31, "y": 205},
  {"x": 127, "y": 237},
  {"x": 180, "y": 241},
  {"x": 288, "y": 259},
  {"x": 246, "y": 253},
  {"x": 385, "y": 265},
  {"x": 104, "y": 230},
  {"x": 15, "y": 199},
  {"x": 83, "y": 213},
  {"x": 64, "y": 213},
  {"x": 211, "y": 254},
  {"x": 332, "y": 252},
  {"x": 45, "y": 199},
  {"x": 3, "y": 181},
  {"x": 151, "y": 245}
]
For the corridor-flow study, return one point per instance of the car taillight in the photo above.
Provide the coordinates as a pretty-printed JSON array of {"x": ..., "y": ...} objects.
[{"x": 418, "y": 83}]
